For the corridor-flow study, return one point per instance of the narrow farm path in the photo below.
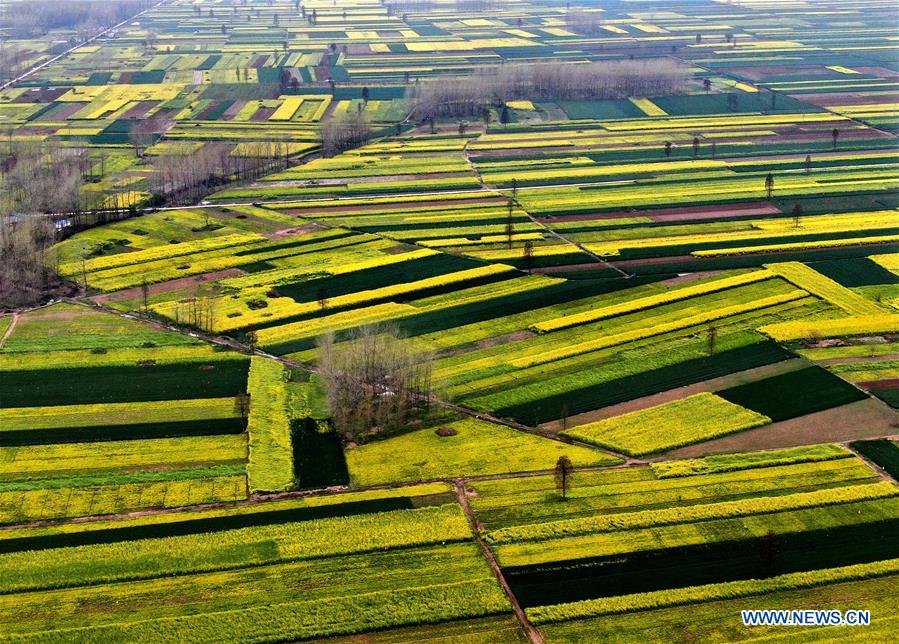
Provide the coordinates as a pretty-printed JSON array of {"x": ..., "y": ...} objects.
[
  {"x": 532, "y": 633},
  {"x": 9, "y": 329},
  {"x": 565, "y": 240}
]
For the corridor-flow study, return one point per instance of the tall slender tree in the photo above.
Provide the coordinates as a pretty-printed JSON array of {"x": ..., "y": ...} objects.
[{"x": 563, "y": 474}]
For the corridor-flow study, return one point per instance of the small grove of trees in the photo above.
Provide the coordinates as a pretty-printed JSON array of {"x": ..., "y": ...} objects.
[
  {"x": 566, "y": 81},
  {"x": 374, "y": 382},
  {"x": 52, "y": 177},
  {"x": 25, "y": 263},
  {"x": 39, "y": 177},
  {"x": 344, "y": 132}
]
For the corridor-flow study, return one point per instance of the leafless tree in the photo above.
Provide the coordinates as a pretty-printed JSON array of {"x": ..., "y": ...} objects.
[
  {"x": 26, "y": 264},
  {"x": 140, "y": 140},
  {"x": 510, "y": 223},
  {"x": 797, "y": 215},
  {"x": 584, "y": 22},
  {"x": 85, "y": 17}
]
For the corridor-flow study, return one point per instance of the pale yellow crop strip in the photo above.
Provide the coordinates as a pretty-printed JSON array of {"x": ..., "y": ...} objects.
[
  {"x": 159, "y": 252},
  {"x": 270, "y": 461},
  {"x": 119, "y": 413},
  {"x": 889, "y": 261},
  {"x": 760, "y": 229},
  {"x": 711, "y": 121},
  {"x": 693, "y": 419},
  {"x": 486, "y": 239},
  {"x": 336, "y": 322},
  {"x": 858, "y": 325},
  {"x": 639, "y": 334},
  {"x": 653, "y": 300},
  {"x": 825, "y": 288},
  {"x": 825, "y": 243},
  {"x": 648, "y": 107},
  {"x": 384, "y": 260}
]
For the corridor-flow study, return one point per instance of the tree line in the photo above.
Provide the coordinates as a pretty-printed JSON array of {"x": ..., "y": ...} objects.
[
  {"x": 184, "y": 174},
  {"x": 474, "y": 94}
]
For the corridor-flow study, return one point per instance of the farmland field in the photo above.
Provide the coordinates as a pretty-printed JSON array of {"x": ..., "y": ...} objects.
[{"x": 448, "y": 320}]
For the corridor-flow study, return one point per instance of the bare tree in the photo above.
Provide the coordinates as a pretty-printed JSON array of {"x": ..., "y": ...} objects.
[
  {"x": 140, "y": 140},
  {"x": 242, "y": 407},
  {"x": 769, "y": 186}
]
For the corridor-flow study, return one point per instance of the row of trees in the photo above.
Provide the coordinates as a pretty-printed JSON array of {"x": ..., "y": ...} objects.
[
  {"x": 340, "y": 133},
  {"x": 560, "y": 81},
  {"x": 184, "y": 174}
]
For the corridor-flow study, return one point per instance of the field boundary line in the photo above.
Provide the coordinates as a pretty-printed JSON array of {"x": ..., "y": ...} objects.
[
  {"x": 9, "y": 329},
  {"x": 530, "y": 630},
  {"x": 878, "y": 470}
]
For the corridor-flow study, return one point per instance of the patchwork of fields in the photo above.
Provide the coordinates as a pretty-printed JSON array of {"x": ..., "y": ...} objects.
[{"x": 688, "y": 301}]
